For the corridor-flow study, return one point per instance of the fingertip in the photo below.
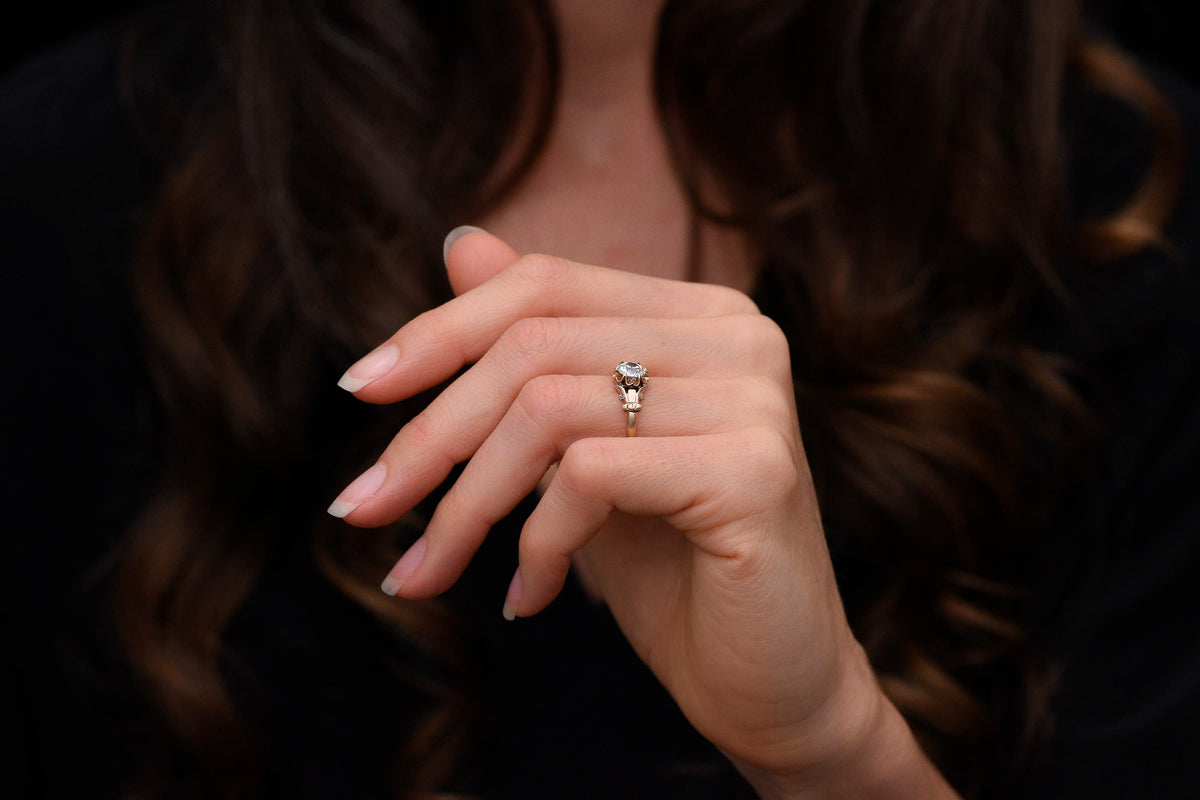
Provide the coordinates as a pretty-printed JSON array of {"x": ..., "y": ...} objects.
[
  {"x": 473, "y": 256},
  {"x": 360, "y": 490},
  {"x": 405, "y": 568},
  {"x": 371, "y": 367},
  {"x": 512, "y": 600},
  {"x": 453, "y": 236}
]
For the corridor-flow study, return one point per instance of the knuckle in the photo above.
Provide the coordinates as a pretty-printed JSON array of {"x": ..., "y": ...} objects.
[
  {"x": 548, "y": 396},
  {"x": 421, "y": 432},
  {"x": 768, "y": 457},
  {"x": 727, "y": 300},
  {"x": 540, "y": 269},
  {"x": 531, "y": 336},
  {"x": 765, "y": 344},
  {"x": 766, "y": 335},
  {"x": 583, "y": 466}
]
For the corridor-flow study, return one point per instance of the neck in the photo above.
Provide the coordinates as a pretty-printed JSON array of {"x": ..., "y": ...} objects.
[
  {"x": 606, "y": 47},
  {"x": 603, "y": 190}
]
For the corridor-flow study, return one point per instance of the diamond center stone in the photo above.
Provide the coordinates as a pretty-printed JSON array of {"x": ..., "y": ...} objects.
[{"x": 631, "y": 372}]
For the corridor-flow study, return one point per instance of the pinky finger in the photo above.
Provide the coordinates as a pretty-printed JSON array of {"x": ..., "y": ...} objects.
[{"x": 641, "y": 477}]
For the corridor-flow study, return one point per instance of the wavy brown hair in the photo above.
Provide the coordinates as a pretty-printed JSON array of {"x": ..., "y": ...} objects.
[{"x": 903, "y": 169}]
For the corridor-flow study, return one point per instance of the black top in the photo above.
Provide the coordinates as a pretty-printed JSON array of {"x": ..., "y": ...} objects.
[{"x": 575, "y": 713}]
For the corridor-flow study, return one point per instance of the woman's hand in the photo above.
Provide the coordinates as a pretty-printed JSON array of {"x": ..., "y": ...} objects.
[{"x": 702, "y": 533}]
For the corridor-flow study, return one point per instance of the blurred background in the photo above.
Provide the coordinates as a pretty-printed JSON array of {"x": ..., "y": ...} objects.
[{"x": 1156, "y": 30}]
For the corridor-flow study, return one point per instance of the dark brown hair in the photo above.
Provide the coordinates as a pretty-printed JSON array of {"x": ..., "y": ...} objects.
[{"x": 900, "y": 166}]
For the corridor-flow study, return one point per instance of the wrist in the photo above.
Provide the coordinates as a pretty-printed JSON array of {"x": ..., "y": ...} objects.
[{"x": 857, "y": 745}]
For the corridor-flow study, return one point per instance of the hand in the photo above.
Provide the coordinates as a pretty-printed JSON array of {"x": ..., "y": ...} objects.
[{"x": 702, "y": 533}]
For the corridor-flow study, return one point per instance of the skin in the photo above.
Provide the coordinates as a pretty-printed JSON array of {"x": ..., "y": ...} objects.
[{"x": 702, "y": 534}]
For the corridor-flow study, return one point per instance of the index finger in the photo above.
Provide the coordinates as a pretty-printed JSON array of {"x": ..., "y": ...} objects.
[{"x": 439, "y": 342}]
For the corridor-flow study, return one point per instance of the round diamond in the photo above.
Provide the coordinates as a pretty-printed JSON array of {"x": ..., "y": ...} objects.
[{"x": 631, "y": 372}]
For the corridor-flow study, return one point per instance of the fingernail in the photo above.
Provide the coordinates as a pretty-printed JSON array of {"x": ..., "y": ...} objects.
[
  {"x": 404, "y": 568},
  {"x": 374, "y": 364},
  {"x": 513, "y": 598},
  {"x": 456, "y": 234},
  {"x": 354, "y": 495}
]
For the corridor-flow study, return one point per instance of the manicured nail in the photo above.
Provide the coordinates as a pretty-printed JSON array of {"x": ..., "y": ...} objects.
[
  {"x": 456, "y": 234},
  {"x": 404, "y": 568},
  {"x": 374, "y": 364},
  {"x": 358, "y": 492},
  {"x": 513, "y": 598}
]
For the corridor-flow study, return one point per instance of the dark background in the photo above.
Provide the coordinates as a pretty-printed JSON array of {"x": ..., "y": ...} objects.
[
  {"x": 1156, "y": 30},
  {"x": 1159, "y": 31}
]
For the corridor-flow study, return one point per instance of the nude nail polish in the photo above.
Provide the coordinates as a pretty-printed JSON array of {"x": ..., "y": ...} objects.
[
  {"x": 404, "y": 568},
  {"x": 456, "y": 234},
  {"x": 359, "y": 491},
  {"x": 373, "y": 365},
  {"x": 513, "y": 599}
]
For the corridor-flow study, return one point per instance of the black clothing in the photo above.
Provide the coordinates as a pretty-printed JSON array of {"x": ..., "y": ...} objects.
[{"x": 575, "y": 713}]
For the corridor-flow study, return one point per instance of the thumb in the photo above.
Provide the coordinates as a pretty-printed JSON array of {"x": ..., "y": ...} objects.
[{"x": 473, "y": 256}]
